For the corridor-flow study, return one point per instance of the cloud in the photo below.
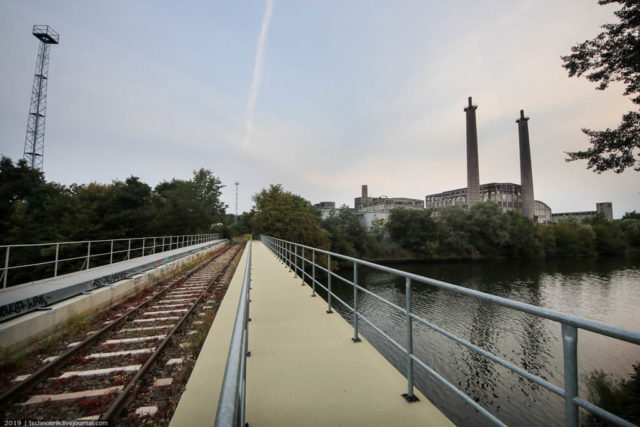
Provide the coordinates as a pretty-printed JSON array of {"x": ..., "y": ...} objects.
[{"x": 257, "y": 72}]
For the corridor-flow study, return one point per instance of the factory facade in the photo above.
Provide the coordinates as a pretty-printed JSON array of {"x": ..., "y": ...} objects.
[
  {"x": 370, "y": 209},
  {"x": 506, "y": 194},
  {"x": 510, "y": 196},
  {"x": 517, "y": 197}
]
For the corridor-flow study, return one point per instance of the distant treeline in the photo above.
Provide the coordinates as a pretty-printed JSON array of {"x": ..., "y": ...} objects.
[
  {"x": 35, "y": 211},
  {"x": 484, "y": 231}
]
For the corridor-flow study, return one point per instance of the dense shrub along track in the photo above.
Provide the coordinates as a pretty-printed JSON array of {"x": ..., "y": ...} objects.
[{"x": 135, "y": 367}]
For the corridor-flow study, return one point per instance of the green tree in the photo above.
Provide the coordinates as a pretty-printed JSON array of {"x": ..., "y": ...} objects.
[
  {"x": 488, "y": 229},
  {"x": 631, "y": 215},
  {"x": 612, "y": 56},
  {"x": 188, "y": 207},
  {"x": 631, "y": 229},
  {"x": 523, "y": 241},
  {"x": 620, "y": 397},
  {"x": 287, "y": 216},
  {"x": 346, "y": 233},
  {"x": 243, "y": 226},
  {"x": 414, "y": 230},
  {"x": 610, "y": 237},
  {"x": 208, "y": 190},
  {"x": 127, "y": 211},
  {"x": 90, "y": 203},
  {"x": 454, "y": 234},
  {"x": 574, "y": 239},
  {"x": 31, "y": 210},
  {"x": 547, "y": 237}
]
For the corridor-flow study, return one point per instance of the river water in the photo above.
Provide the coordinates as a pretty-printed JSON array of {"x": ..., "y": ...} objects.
[{"x": 604, "y": 289}]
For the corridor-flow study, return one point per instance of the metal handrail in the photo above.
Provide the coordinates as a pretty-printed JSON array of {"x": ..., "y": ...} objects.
[
  {"x": 159, "y": 244},
  {"x": 231, "y": 405},
  {"x": 292, "y": 254}
]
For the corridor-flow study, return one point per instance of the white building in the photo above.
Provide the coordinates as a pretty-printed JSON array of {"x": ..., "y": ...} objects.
[{"x": 370, "y": 209}]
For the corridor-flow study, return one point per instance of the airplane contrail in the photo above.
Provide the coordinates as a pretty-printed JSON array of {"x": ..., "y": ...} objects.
[{"x": 257, "y": 72}]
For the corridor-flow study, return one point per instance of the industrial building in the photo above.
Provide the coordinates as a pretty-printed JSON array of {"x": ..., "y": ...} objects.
[
  {"x": 370, "y": 209},
  {"x": 326, "y": 209},
  {"x": 510, "y": 196},
  {"x": 604, "y": 208},
  {"x": 506, "y": 194}
]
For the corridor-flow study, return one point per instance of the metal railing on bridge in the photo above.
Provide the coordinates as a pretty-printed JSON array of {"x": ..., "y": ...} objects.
[
  {"x": 231, "y": 405},
  {"x": 293, "y": 255},
  {"x": 79, "y": 255}
]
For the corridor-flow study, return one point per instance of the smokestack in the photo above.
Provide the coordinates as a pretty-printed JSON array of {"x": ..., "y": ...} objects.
[
  {"x": 473, "y": 174},
  {"x": 365, "y": 191},
  {"x": 526, "y": 176}
]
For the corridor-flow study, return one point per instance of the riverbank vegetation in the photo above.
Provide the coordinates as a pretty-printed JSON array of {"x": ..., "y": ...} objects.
[
  {"x": 484, "y": 231},
  {"x": 35, "y": 211},
  {"x": 618, "y": 396}
]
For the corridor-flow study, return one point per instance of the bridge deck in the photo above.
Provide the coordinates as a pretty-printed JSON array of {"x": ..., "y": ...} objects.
[{"x": 303, "y": 369}]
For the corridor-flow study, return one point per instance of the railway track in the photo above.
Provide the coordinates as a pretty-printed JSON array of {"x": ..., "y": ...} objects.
[{"x": 129, "y": 369}]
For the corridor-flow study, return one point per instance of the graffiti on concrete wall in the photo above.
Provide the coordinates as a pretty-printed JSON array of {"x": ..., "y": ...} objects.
[
  {"x": 105, "y": 280},
  {"x": 18, "y": 307}
]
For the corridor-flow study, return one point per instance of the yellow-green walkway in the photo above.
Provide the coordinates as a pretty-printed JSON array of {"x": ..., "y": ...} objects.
[{"x": 304, "y": 370}]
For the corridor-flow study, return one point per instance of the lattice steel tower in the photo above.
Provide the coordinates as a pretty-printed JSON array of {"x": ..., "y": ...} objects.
[{"x": 34, "y": 141}]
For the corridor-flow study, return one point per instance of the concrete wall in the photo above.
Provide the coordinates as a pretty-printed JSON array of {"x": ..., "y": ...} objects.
[
  {"x": 368, "y": 218},
  {"x": 22, "y": 331}
]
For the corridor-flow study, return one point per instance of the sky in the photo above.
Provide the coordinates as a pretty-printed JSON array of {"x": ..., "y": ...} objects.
[{"x": 320, "y": 97}]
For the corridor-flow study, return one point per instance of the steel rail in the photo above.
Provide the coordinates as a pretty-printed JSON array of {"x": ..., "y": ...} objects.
[
  {"x": 112, "y": 413},
  {"x": 44, "y": 372},
  {"x": 178, "y": 241},
  {"x": 70, "y": 242},
  {"x": 590, "y": 325},
  {"x": 231, "y": 404}
]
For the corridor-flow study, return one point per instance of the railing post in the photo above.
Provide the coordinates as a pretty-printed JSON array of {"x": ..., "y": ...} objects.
[
  {"x": 6, "y": 268},
  {"x": 143, "y": 239},
  {"x": 355, "y": 338},
  {"x": 313, "y": 272},
  {"x": 329, "y": 283},
  {"x": 88, "y": 253},
  {"x": 110, "y": 254},
  {"x": 302, "y": 268},
  {"x": 295, "y": 260},
  {"x": 162, "y": 244},
  {"x": 570, "y": 350},
  {"x": 289, "y": 255},
  {"x": 409, "y": 396},
  {"x": 55, "y": 266},
  {"x": 154, "y": 246}
]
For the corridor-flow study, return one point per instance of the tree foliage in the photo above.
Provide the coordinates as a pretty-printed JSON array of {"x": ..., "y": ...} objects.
[
  {"x": 485, "y": 231},
  {"x": 287, "y": 216},
  {"x": 620, "y": 397},
  {"x": 33, "y": 210},
  {"x": 612, "y": 56},
  {"x": 346, "y": 233}
]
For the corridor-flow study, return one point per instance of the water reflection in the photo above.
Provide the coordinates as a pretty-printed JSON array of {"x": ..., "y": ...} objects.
[{"x": 605, "y": 290}]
